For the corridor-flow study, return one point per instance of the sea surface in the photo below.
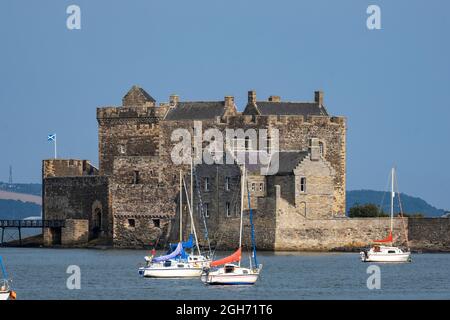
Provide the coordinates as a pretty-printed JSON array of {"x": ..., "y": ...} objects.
[{"x": 39, "y": 273}]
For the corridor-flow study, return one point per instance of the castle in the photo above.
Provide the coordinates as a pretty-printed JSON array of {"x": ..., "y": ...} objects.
[{"x": 131, "y": 200}]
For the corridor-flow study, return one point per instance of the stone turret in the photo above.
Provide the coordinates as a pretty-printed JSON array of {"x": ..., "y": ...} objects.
[{"x": 137, "y": 96}]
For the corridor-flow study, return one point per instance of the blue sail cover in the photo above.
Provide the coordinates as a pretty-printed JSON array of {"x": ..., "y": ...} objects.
[
  {"x": 176, "y": 252},
  {"x": 186, "y": 244}
]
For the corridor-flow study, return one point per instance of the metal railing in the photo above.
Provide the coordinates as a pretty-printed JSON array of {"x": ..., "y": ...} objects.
[{"x": 32, "y": 223}]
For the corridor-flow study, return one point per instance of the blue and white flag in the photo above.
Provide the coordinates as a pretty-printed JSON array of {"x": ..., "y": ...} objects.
[{"x": 51, "y": 137}]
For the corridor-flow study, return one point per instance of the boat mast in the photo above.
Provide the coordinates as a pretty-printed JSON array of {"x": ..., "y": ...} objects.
[
  {"x": 181, "y": 207},
  {"x": 192, "y": 193},
  {"x": 192, "y": 218},
  {"x": 392, "y": 198},
  {"x": 242, "y": 206}
]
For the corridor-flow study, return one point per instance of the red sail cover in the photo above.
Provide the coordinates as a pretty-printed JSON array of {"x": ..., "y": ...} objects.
[
  {"x": 236, "y": 256},
  {"x": 388, "y": 239}
]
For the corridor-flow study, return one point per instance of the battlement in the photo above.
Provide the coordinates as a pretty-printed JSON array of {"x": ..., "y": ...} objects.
[
  {"x": 67, "y": 168},
  {"x": 125, "y": 112},
  {"x": 263, "y": 120}
]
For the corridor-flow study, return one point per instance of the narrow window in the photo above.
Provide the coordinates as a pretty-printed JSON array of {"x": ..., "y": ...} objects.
[
  {"x": 303, "y": 184},
  {"x": 206, "y": 209},
  {"x": 131, "y": 223},
  {"x": 253, "y": 186},
  {"x": 261, "y": 186},
  {"x": 247, "y": 143},
  {"x": 227, "y": 209},
  {"x": 136, "y": 177},
  {"x": 206, "y": 184},
  {"x": 227, "y": 183},
  {"x": 269, "y": 145},
  {"x": 321, "y": 148},
  {"x": 156, "y": 223}
]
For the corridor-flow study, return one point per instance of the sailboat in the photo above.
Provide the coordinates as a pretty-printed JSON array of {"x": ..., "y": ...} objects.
[
  {"x": 6, "y": 292},
  {"x": 380, "y": 252},
  {"x": 178, "y": 263},
  {"x": 232, "y": 273}
]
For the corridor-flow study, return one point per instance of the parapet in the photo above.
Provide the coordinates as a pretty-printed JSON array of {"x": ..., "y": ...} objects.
[
  {"x": 131, "y": 112},
  {"x": 67, "y": 168},
  {"x": 260, "y": 120}
]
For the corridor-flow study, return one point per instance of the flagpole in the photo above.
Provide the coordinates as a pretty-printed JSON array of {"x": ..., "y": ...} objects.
[{"x": 55, "y": 146}]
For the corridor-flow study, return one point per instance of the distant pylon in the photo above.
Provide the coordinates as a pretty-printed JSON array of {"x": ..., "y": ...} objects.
[{"x": 10, "y": 181}]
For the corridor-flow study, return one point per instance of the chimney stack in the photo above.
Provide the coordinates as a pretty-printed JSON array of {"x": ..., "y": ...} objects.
[
  {"x": 174, "y": 99},
  {"x": 274, "y": 99},
  {"x": 318, "y": 97},
  {"x": 314, "y": 149},
  {"x": 252, "y": 96},
  {"x": 229, "y": 101}
]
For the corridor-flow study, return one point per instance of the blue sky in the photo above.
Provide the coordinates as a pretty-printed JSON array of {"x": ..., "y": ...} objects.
[{"x": 392, "y": 84}]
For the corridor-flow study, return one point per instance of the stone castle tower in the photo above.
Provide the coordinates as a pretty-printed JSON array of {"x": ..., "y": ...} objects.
[{"x": 131, "y": 200}]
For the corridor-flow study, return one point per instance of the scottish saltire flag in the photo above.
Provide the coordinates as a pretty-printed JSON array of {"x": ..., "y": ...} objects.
[{"x": 51, "y": 137}]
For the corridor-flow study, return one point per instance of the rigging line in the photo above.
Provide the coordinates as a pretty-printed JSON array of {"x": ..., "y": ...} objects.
[
  {"x": 202, "y": 211},
  {"x": 401, "y": 213},
  {"x": 233, "y": 200},
  {"x": 192, "y": 217},
  {"x": 384, "y": 194}
]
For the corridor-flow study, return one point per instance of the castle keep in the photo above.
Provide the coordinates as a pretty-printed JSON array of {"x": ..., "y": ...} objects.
[{"x": 132, "y": 199}]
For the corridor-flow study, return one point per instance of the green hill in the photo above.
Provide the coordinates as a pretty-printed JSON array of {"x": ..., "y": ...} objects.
[
  {"x": 15, "y": 209},
  {"x": 380, "y": 198}
]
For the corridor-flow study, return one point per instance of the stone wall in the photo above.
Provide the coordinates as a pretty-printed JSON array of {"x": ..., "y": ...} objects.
[
  {"x": 75, "y": 232},
  {"x": 333, "y": 234},
  {"x": 295, "y": 133},
  {"x": 429, "y": 234},
  {"x": 127, "y": 131},
  {"x": 84, "y": 197},
  {"x": 131, "y": 231},
  {"x": 316, "y": 201}
]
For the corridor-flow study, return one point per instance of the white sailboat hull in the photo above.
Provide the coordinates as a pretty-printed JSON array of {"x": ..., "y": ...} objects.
[
  {"x": 238, "y": 276},
  {"x": 151, "y": 272},
  {"x": 385, "y": 254},
  {"x": 4, "y": 295},
  {"x": 230, "y": 279}
]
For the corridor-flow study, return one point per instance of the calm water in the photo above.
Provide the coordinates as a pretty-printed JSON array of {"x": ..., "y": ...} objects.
[{"x": 112, "y": 274}]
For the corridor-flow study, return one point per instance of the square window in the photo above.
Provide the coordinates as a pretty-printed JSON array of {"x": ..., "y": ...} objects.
[
  {"x": 303, "y": 184},
  {"x": 136, "y": 178},
  {"x": 131, "y": 223},
  {"x": 156, "y": 223},
  {"x": 227, "y": 183},
  {"x": 206, "y": 209}
]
